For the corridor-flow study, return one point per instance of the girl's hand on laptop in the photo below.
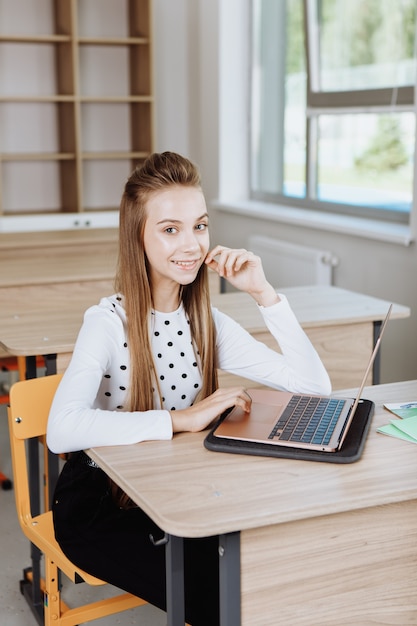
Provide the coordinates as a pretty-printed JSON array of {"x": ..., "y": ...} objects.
[
  {"x": 243, "y": 270},
  {"x": 203, "y": 413}
]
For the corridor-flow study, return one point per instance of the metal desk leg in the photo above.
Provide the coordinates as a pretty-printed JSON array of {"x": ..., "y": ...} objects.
[
  {"x": 50, "y": 363},
  {"x": 229, "y": 564},
  {"x": 30, "y": 585},
  {"x": 229, "y": 569},
  {"x": 376, "y": 368},
  {"x": 31, "y": 371},
  {"x": 174, "y": 551},
  {"x": 53, "y": 461}
]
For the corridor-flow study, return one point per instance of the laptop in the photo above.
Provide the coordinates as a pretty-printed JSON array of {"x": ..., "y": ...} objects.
[{"x": 300, "y": 421}]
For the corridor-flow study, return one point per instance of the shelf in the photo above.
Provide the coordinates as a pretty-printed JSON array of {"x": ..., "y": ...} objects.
[
  {"x": 115, "y": 99},
  {"x": 105, "y": 156},
  {"x": 39, "y": 39},
  {"x": 49, "y": 98},
  {"x": 86, "y": 99},
  {"x": 119, "y": 41},
  {"x": 76, "y": 102},
  {"x": 36, "y": 156}
]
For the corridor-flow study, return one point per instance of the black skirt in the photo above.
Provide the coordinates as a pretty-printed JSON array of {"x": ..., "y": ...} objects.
[{"x": 114, "y": 544}]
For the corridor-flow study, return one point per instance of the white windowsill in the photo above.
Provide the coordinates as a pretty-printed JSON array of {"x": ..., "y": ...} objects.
[{"x": 346, "y": 224}]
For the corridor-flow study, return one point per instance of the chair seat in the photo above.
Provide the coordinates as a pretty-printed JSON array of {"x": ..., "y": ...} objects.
[{"x": 40, "y": 530}]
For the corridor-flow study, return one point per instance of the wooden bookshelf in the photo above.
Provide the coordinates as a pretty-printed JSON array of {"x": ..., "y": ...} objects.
[{"x": 76, "y": 102}]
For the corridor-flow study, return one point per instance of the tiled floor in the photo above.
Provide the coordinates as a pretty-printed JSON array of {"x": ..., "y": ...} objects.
[{"x": 14, "y": 557}]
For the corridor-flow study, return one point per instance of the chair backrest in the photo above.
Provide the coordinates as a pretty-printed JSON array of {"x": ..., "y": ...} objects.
[
  {"x": 28, "y": 411},
  {"x": 30, "y": 402}
]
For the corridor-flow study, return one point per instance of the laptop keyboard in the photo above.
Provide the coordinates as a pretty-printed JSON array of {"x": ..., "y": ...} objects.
[{"x": 308, "y": 420}]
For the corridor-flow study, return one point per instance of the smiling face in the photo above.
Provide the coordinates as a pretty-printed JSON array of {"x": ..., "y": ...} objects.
[{"x": 176, "y": 238}]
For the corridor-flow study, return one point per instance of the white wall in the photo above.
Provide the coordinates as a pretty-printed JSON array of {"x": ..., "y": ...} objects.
[
  {"x": 189, "y": 80},
  {"x": 172, "y": 75},
  {"x": 186, "y": 41},
  {"x": 189, "y": 83}
]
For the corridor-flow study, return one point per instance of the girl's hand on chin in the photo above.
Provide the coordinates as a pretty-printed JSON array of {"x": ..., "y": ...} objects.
[{"x": 243, "y": 270}]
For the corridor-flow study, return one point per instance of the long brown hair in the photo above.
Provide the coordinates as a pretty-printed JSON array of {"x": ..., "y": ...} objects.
[{"x": 158, "y": 172}]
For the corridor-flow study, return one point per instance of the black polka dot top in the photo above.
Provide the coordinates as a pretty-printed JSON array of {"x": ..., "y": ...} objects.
[
  {"x": 176, "y": 364},
  {"x": 177, "y": 367}
]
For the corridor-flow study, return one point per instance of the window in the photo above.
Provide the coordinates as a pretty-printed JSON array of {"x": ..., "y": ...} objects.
[{"x": 332, "y": 105}]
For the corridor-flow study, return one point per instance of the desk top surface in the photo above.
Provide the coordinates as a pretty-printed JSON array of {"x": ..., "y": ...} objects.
[
  {"x": 190, "y": 491},
  {"x": 46, "y": 238},
  {"x": 316, "y": 305},
  {"x": 45, "y": 319},
  {"x": 57, "y": 256}
]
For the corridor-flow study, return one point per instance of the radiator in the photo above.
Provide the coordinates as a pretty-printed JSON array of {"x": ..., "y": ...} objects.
[{"x": 292, "y": 265}]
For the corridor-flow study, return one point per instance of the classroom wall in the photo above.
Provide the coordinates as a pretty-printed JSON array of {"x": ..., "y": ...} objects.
[
  {"x": 187, "y": 90},
  {"x": 187, "y": 85}
]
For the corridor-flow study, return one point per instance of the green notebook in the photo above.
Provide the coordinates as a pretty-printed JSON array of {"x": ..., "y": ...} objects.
[{"x": 404, "y": 428}]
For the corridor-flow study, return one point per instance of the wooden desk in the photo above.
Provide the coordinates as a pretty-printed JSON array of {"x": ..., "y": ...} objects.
[
  {"x": 320, "y": 543},
  {"x": 73, "y": 269},
  {"x": 47, "y": 280},
  {"x": 57, "y": 256},
  {"x": 52, "y": 258},
  {"x": 45, "y": 319},
  {"x": 45, "y": 239},
  {"x": 341, "y": 324}
]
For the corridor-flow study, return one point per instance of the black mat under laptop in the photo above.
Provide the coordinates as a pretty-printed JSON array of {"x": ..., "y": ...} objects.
[{"x": 350, "y": 451}]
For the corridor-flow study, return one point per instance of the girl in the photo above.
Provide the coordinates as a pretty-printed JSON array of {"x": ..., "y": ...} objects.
[{"x": 144, "y": 367}]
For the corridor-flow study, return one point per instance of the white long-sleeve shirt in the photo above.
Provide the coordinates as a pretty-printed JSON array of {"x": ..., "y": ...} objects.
[{"x": 90, "y": 406}]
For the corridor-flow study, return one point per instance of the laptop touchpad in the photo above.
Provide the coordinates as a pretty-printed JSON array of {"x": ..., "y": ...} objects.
[
  {"x": 264, "y": 413},
  {"x": 254, "y": 425}
]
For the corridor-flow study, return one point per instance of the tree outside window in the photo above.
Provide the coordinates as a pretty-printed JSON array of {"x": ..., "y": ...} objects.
[{"x": 333, "y": 122}]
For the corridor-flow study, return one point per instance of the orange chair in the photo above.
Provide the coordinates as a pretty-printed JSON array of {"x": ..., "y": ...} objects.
[
  {"x": 11, "y": 364},
  {"x": 28, "y": 411}
]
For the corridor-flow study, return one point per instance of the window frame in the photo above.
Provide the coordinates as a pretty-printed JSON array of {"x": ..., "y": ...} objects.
[{"x": 379, "y": 100}]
